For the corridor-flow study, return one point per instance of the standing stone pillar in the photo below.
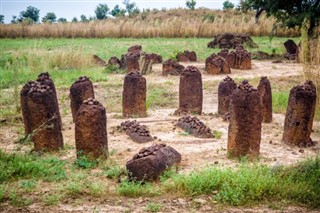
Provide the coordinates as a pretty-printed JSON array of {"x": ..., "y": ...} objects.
[
  {"x": 41, "y": 116},
  {"x": 225, "y": 89},
  {"x": 81, "y": 90},
  {"x": 132, "y": 59},
  {"x": 299, "y": 115},
  {"x": 264, "y": 89},
  {"x": 91, "y": 130},
  {"x": 190, "y": 91},
  {"x": 244, "y": 134},
  {"x": 134, "y": 95}
]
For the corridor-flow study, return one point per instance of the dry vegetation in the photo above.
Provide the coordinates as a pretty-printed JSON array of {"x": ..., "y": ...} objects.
[{"x": 172, "y": 24}]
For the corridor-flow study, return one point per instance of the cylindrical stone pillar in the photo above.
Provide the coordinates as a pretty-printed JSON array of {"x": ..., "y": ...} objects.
[
  {"x": 244, "y": 134},
  {"x": 225, "y": 89},
  {"x": 91, "y": 130},
  {"x": 40, "y": 114},
  {"x": 264, "y": 89},
  {"x": 133, "y": 61},
  {"x": 134, "y": 95},
  {"x": 81, "y": 90},
  {"x": 299, "y": 115},
  {"x": 190, "y": 91}
]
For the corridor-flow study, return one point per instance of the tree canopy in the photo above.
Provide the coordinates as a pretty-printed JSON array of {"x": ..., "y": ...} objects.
[
  {"x": 102, "y": 11},
  {"x": 191, "y": 4},
  {"x": 117, "y": 11},
  {"x": 1, "y": 19},
  {"x": 50, "y": 17},
  {"x": 290, "y": 13},
  {"x": 62, "y": 20},
  {"x": 31, "y": 13},
  {"x": 227, "y": 5},
  {"x": 131, "y": 8}
]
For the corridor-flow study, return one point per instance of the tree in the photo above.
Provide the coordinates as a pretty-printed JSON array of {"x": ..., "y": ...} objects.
[
  {"x": 131, "y": 8},
  {"x": 1, "y": 19},
  {"x": 49, "y": 18},
  {"x": 227, "y": 5},
  {"x": 62, "y": 20},
  {"x": 14, "y": 20},
  {"x": 191, "y": 4},
  {"x": 117, "y": 11},
  {"x": 74, "y": 20},
  {"x": 31, "y": 13},
  {"x": 83, "y": 18},
  {"x": 102, "y": 11},
  {"x": 290, "y": 13}
]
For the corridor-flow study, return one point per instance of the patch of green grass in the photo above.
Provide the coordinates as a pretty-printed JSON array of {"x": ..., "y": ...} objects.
[
  {"x": 2, "y": 192},
  {"x": 137, "y": 189},
  {"x": 114, "y": 172},
  {"x": 27, "y": 185},
  {"x": 280, "y": 101},
  {"x": 18, "y": 200},
  {"x": 217, "y": 134},
  {"x": 85, "y": 162},
  {"x": 23, "y": 166},
  {"x": 153, "y": 207},
  {"x": 52, "y": 199},
  {"x": 159, "y": 97}
]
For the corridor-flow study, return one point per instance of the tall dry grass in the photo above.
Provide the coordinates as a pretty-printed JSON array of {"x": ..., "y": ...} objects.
[{"x": 172, "y": 23}]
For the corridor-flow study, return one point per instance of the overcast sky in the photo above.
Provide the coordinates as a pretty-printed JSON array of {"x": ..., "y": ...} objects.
[{"x": 74, "y": 8}]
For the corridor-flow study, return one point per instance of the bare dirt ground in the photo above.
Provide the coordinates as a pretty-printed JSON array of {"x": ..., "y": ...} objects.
[{"x": 196, "y": 153}]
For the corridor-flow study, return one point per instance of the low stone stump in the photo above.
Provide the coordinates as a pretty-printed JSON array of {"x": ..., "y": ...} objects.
[
  {"x": 299, "y": 116},
  {"x": 264, "y": 89},
  {"x": 190, "y": 91},
  {"x": 146, "y": 62},
  {"x": 135, "y": 48},
  {"x": 114, "y": 61},
  {"x": 41, "y": 115},
  {"x": 225, "y": 89},
  {"x": 136, "y": 132},
  {"x": 171, "y": 67},
  {"x": 230, "y": 40},
  {"x": 81, "y": 90},
  {"x": 151, "y": 162},
  {"x": 99, "y": 61},
  {"x": 292, "y": 50},
  {"x": 239, "y": 58},
  {"x": 195, "y": 127},
  {"x": 91, "y": 130},
  {"x": 134, "y": 95},
  {"x": 186, "y": 56},
  {"x": 217, "y": 65},
  {"x": 244, "y": 134},
  {"x": 132, "y": 59},
  {"x": 123, "y": 62}
]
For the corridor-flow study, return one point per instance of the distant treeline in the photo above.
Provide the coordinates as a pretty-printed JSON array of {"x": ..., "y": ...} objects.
[{"x": 167, "y": 23}]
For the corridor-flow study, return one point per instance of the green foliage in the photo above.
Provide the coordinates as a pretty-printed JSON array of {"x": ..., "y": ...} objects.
[
  {"x": 85, "y": 162},
  {"x": 52, "y": 199},
  {"x": 153, "y": 207},
  {"x": 27, "y": 185},
  {"x": 23, "y": 166},
  {"x": 49, "y": 18},
  {"x": 280, "y": 101},
  {"x": 227, "y": 5},
  {"x": 83, "y": 18},
  {"x": 158, "y": 97},
  {"x": 208, "y": 17},
  {"x": 113, "y": 69},
  {"x": 137, "y": 189},
  {"x": 74, "y": 20},
  {"x": 191, "y": 4},
  {"x": 131, "y": 8},
  {"x": 31, "y": 13},
  {"x": 117, "y": 11},
  {"x": 114, "y": 172},
  {"x": 62, "y": 20},
  {"x": 102, "y": 11},
  {"x": 217, "y": 134},
  {"x": 1, "y": 19}
]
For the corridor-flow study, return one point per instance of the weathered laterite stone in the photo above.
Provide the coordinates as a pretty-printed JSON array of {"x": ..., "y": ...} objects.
[
  {"x": 217, "y": 65},
  {"x": 81, "y": 90},
  {"x": 225, "y": 89},
  {"x": 91, "y": 130},
  {"x": 151, "y": 162},
  {"x": 147, "y": 60},
  {"x": 299, "y": 116},
  {"x": 132, "y": 59},
  {"x": 244, "y": 134},
  {"x": 186, "y": 56},
  {"x": 99, "y": 61},
  {"x": 171, "y": 67},
  {"x": 41, "y": 116},
  {"x": 114, "y": 61},
  {"x": 195, "y": 127},
  {"x": 134, "y": 95},
  {"x": 136, "y": 132},
  {"x": 238, "y": 58},
  {"x": 190, "y": 91},
  {"x": 135, "y": 48},
  {"x": 264, "y": 89}
]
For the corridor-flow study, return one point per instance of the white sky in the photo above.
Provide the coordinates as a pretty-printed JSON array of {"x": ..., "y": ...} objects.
[{"x": 74, "y": 8}]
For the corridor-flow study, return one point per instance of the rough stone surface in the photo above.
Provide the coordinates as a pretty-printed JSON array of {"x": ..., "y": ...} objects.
[
  {"x": 123, "y": 62},
  {"x": 41, "y": 116},
  {"x": 195, "y": 127},
  {"x": 91, "y": 130},
  {"x": 244, "y": 133},
  {"x": 264, "y": 89},
  {"x": 114, "y": 61},
  {"x": 134, "y": 95},
  {"x": 229, "y": 40},
  {"x": 151, "y": 162},
  {"x": 217, "y": 65},
  {"x": 147, "y": 60},
  {"x": 187, "y": 56},
  {"x": 171, "y": 67},
  {"x": 135, "y": 48},
  {"x": 299, "y": 116},
  {"x": 225, "y": 89},
  {"x": 132, "y": 59},
  {"x": 238, "y": 58},
  {"x": 80, "y": 90},
  {"x": 99, "y": 61},
  {"x": 136, "y": 132},
  {"x": 190, "y": 91}
]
